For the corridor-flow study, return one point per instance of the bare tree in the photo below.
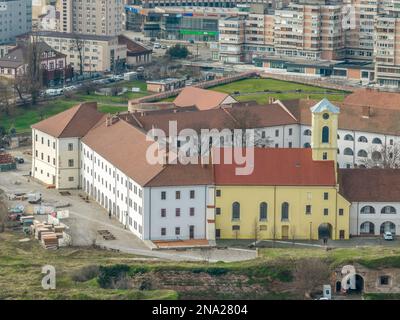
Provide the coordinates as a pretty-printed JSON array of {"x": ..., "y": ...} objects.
[
  {"x": 243, "y": 118},
  {"x": 293, "y": 233},
  {"x": 3, "y": 211},
  {"x": 256, "y": 228},
  {"x": 88, "y": 87},
  {"x": 205, "y": 254},
  {"x": 383, "y": 156},
  {"x": 30, "y": 80},
  {"x": 311, "y": 274},
  {"x": 6, "y": 99},
  {"x": 79, "y": 46}
]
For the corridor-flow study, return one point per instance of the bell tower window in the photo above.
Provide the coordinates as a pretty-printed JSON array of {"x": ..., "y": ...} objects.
[{"x": 325, "y": 135}]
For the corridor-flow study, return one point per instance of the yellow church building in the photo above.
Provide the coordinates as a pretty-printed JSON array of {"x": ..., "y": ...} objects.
[{"x": 291, "y": 193}]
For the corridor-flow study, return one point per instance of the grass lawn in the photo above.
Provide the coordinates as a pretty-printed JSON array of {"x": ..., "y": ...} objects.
[
  {"x": 370, "y": 257},
  {"x": 258, "y": 86},
  {"x": 23, "y": 118},
  {"x": 20, "y": 272}
]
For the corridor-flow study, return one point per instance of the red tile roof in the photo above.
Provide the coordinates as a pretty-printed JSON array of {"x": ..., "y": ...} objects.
[
  {"x": 279, "y": 167},
  {"x": 201, "y": 98},
  {"x": 125, "y": 147},
  {"x": 72, "y": 123},
  {"x": 256, "y": 116},
  {"x": 374, "y": 98},
  {"x": 370, "y": 185},
  {"x": 183, "y": 175}
]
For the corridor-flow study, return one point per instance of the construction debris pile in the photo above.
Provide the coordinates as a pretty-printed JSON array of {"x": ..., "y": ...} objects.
[
  {"x": 7, "y": 162},
  {"x": 49, "y": 235}
]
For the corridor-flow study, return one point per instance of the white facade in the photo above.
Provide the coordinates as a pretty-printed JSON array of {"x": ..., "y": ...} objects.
[
  {"x": 141, "y": 209},
  {"x": 374, "y": 218},
  {"x": 177, "y": 213},
  {"x": 55, "y": 161},
  {"x": 113, "y": 190},
  {"x": 353, "y": 145}
]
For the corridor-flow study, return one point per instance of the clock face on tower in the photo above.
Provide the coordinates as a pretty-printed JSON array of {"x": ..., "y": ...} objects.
[{"x": 325, "y": 116}]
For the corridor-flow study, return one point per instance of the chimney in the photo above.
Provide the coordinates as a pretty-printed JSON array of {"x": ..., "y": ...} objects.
[{"x": 366, "y": 112}]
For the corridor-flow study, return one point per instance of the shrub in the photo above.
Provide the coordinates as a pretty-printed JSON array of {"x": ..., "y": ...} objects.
[
  {"x": 86, "y": 273},
  {"x": 136, "y": 270},
  {"x": 217, "y": 271},
  {"x": 109, "y": 275}
]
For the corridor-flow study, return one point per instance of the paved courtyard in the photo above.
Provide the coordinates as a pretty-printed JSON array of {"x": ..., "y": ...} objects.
[{"x": 86, "y": 218}]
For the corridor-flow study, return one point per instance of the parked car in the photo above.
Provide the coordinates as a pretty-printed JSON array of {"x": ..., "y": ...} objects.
[
  {"x": 19, "y": 160},
  {"x": 388, "y": 235},
  {"x": 157, "y": 45}
]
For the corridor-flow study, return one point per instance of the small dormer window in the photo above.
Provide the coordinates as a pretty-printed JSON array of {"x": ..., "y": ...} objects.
[{"x": 325, "y": 116}]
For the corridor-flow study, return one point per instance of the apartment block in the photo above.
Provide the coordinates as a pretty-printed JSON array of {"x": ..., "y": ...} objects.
[
  {"x": 98, "y": 53},
  {"x": 309, "y": 31},
  {"x": 387, "y": 50},
  {"x": 15, "y": 19},
  {"x": 232, "y": 39},
  {"x": 94, "y": 17}
]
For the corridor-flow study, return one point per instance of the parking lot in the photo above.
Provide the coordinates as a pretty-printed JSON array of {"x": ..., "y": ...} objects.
[{"x": 87, "y": 218}]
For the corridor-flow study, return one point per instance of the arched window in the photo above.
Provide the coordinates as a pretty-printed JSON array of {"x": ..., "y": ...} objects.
[
  {"x": 388, "y": 226},
  {"x": 376, "y": 156},
  {"x": 367, "y": 210},
  {"x": 362, "y": 153},
  {"x": 362, "y": 139},
  {"x": 377, "y": 141},
  {"x": 307, "y": 132},
  {"x": 325, "y": 135},
  {"x": 348, "y": 137},
  {"x": 348, "y": 152},
  {"x": 307, "y": 145},
  {"x": 285, "y": 211},
  {"x": 263, "y": 211},
  {"x": 388, "y": 210},
  {"x": 367, "y": 228},
  {"x": 236, "y": 211}
]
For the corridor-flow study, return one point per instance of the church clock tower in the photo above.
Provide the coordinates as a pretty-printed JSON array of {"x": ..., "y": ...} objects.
[{"x": 324, "y": 131}]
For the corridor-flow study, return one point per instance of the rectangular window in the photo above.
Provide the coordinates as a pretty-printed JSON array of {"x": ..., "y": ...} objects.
[
  {"x": 326, "y": 211},
  {"x": 384, "y": 280},
  {"x": 326, "y": 195},
  {"x": 70, "y": 163},
  {"x": 163, "y": 231},
  {"x": 325, "y": 156},
  {"x": 218, "y": 211},
  {"x": 218, "y": 193},
  {"x": 191, "y": 212},
  {"x": 70, "y": 147},
  {"x": 235, "y": 228},
  {"x": 217, "y": 233},
  {"x": 178, "y": 212},
  {"x": 163, "y": 213},
  {"x": 192, "y": 194},
  {"x": 341, "y": 212},
  {"x": 177, "y": 231},
  {"x": 290, "y": 144},
  {"x": 276, "y": 133},
  {"x": 177, "y": 195},
  {"x": 71, "y": 179},
  {"x": 308, "y": 209},
  {"x": 290, "y": 131},
  {"x": 163, "y": 195}
]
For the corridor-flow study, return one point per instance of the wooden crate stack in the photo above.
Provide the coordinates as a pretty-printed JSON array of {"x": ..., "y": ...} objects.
[{"x": 47, "y": 234}]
